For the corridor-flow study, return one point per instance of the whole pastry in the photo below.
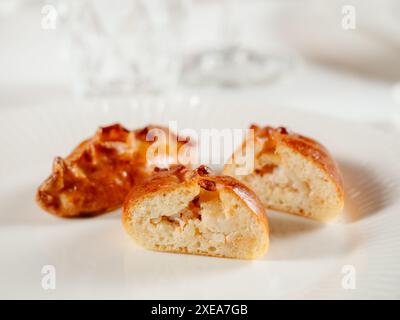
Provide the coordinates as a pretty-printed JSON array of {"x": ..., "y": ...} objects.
[
  {"x": 100, "y": 171},
  {"x": 290, "y": 173},
  {"x": 193, "y": 211}
]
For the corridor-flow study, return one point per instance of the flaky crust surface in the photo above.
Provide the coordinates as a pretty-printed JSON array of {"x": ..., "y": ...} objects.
[{"x": 99, "y": 172}]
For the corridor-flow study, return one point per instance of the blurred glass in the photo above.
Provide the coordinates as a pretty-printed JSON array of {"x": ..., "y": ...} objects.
[
  {"x": 233, "y": 61},
  {"x": 125, "y": 46}
]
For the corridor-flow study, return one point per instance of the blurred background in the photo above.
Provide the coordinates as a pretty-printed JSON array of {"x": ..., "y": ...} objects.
[{"x": 340, "y": 58}]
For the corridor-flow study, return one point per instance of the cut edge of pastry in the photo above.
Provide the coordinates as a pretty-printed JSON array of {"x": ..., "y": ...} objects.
[
  {"x": 202, "y": 215},
  {"x": 293, "y": 174}
]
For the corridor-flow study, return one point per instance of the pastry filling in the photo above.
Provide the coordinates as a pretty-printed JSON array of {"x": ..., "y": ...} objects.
[
  {"x": 199, "y": 221},
  {"x": 285, "y": 181}
]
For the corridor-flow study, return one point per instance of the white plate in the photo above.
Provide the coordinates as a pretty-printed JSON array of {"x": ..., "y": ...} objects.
[{"x": 94, "y": 258}]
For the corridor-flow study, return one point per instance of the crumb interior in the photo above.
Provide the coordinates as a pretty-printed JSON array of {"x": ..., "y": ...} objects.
[
  {"x": 285, "y": 181},
  {"x": 194, "y": 220}
]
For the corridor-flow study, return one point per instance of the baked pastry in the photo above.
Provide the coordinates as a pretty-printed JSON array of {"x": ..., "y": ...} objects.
[
  {"x": 192, "y": 211},
  {"x": 291, "y": 173},
  {"x": 99, "y": 173}
]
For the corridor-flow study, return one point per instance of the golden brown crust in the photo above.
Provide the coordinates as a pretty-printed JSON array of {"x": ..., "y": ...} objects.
[
  {"x": 99, "y": 172},
  {"x": 168, "y": 180},
  {"x": 309, "y": 148},
  {"x": 244, "y": 193}
]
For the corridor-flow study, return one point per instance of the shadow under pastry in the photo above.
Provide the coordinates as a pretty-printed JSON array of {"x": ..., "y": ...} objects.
[{"x": 366, "y": 193}]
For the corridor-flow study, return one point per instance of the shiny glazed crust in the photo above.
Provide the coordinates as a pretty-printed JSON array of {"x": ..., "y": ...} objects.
[{"x": 99, "y": 172}]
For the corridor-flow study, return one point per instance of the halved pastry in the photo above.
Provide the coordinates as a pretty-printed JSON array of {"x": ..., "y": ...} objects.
[
  {"x": 195, "y": 212},
  {"x": 99, "y": 173},
  {"x": 291, "y": 173}
]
